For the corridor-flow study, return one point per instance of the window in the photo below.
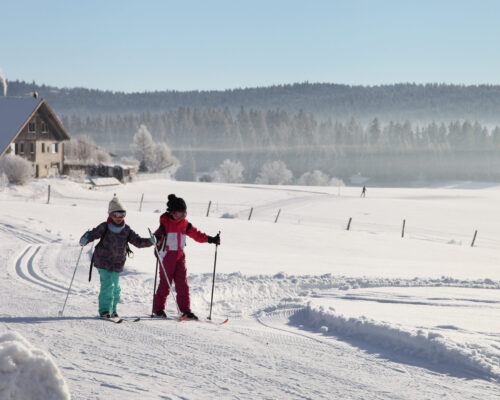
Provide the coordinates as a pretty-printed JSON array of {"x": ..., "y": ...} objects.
[
  {"x": 16, "y": 149},
  {"x": 43, "y": 147},
  {"x": 43, "y": 127},
  {"x": 22, "y": 148},
  {"x": 32, "y": 148},
  {"x": 56, "y": 147},
  {"x": 31, "y": 127}
]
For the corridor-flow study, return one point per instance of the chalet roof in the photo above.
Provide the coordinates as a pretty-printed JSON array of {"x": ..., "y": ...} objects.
[{"x": 15, "y": 113}]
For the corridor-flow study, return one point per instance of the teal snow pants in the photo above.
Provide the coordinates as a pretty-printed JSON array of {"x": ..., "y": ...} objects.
[{"x": 109, "y": 295}]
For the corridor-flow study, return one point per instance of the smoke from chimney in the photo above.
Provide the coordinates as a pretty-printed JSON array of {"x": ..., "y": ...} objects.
[{"x": 3, "y": 82}]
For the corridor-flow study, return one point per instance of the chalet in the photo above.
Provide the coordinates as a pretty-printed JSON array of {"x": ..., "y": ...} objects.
[{"x": 30, "y": 129}]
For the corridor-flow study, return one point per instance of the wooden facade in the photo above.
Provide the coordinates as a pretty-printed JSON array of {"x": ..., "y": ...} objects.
[{"x": 39, "y": 139}]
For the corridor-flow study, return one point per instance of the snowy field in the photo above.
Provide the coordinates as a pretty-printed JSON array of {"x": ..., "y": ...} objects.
[{"x": 315, "y": 311}]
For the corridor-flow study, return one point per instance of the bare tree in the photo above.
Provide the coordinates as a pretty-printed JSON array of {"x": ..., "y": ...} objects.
[
  {"x": 274, "y": 173},
  {"x": 18, "y": 170}
]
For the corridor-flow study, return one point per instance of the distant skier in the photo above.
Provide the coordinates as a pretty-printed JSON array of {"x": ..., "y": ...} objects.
[
  {"x": 171, "y": 238},
  {"x": 363, "y": 192},
  {"x": 110, "y": 254}
]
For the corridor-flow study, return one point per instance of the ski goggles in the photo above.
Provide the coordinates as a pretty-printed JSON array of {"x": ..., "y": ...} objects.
[
  {"x": 119, "y": 214},
  {"x": 179, "y": 214}
]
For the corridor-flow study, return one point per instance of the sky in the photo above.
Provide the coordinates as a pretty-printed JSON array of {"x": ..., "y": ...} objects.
[{"x": 132, "y": 46}]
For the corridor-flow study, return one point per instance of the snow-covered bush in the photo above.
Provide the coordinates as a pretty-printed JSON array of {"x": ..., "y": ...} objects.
[
  {"x": 230, "y": 171},
  {"x": 336, "y": 182},
  {"x": 4, "y": 181},
  {"x": 315, "y": 178},
  {"x": 274, "y": 173},
  {"x": 18, "y": 170}
]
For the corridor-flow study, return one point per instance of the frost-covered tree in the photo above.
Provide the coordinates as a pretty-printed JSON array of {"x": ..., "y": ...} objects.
[
  {"x": 315, "y": 178},
  {"x": 17, "y": 169},
  {"x": 84, "y": 149},
  {"x": 129, "y": 161},
  {"x": 143, "y": 148},
  {"x": 274, "y": 173},
  {"x": 230, "y": 171},
  {"x": 163, "y": 159}
]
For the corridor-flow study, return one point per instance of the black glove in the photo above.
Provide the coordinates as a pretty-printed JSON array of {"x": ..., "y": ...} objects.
[{"x": 214, "y": 239}]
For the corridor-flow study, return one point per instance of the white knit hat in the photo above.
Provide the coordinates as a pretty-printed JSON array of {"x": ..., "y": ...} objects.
[{"x": 115, "y": 205}]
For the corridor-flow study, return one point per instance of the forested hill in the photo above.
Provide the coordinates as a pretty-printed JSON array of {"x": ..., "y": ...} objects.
[{"x": 431, "y": 102}]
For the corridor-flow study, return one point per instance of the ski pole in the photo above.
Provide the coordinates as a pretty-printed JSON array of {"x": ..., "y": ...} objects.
[
  {"x": 213, "y": 279},
  {"x": 71, "y": 283},
  {"x": 154, "y": 288},
  {"x": 164, "y": 272}
]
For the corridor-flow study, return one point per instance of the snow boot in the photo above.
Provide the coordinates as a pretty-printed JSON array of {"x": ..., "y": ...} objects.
[
  {"x": 160, "y": 314},
  {"x": 105, "y": 314},
  {"x": 189, "y": 315},
  {"x": 114, "y": 314}
]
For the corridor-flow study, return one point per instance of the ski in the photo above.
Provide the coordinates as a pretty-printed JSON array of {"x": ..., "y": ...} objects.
[
  {"x": 208, "y": 321},
  {"x": 114, "y": 320},
  {"x": 169, "y": 318},
  {"x": 217, "y": 322},
  {"x": 120, "y": 320}
]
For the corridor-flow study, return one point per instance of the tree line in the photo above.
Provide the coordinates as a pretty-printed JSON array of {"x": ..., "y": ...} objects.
[
  {"x": 254, "y": 130},
  {"x": 415, "y": 102}
]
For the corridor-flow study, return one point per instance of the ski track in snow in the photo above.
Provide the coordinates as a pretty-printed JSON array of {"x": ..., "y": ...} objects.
[{"x": 276, "y": 332}]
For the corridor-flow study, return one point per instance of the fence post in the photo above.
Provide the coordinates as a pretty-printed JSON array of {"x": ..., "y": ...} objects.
[
  {"x": 48, "y": 196},
  {"x": 473, "y": 239},
  {"x": 349, "y": 223},
  {"x": 142, "y": 198},
  {"x": 208, "y": 209},
  {"x": 250, "y": 215},
  {"x": 403, "y": 231},
  {"x": 277, "y": 216}
]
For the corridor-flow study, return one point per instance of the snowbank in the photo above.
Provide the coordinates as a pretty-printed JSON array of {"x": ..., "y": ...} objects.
[
  {"x": 425, "y": 345},
  {"x": 27, "y": 372}
]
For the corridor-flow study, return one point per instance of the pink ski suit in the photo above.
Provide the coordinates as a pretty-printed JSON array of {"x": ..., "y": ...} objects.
[{"x": 171, "y": 238}]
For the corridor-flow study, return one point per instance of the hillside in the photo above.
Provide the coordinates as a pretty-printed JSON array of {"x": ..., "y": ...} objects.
[{"x": 415, "y": 102}]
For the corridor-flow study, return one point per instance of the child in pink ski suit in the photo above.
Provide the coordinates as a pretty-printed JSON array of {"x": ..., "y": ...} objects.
[{"x": 171, "y": 239}]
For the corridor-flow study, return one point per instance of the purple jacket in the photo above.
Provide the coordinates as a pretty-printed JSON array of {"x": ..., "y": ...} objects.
[{"x": 111, "y": 254}]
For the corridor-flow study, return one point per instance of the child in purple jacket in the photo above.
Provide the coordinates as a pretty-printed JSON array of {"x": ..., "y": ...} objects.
[{"x": 110, "y": 254}]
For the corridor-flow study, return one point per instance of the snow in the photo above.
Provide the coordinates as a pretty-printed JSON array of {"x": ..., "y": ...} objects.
[
  {"x": 27, "y": 372},
  {"x": 315, "y": 311}
]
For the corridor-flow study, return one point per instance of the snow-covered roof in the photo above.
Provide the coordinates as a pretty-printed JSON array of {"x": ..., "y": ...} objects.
[
  {"x": 14, "y": 113},
  {"x": 104, "y": 181}
]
